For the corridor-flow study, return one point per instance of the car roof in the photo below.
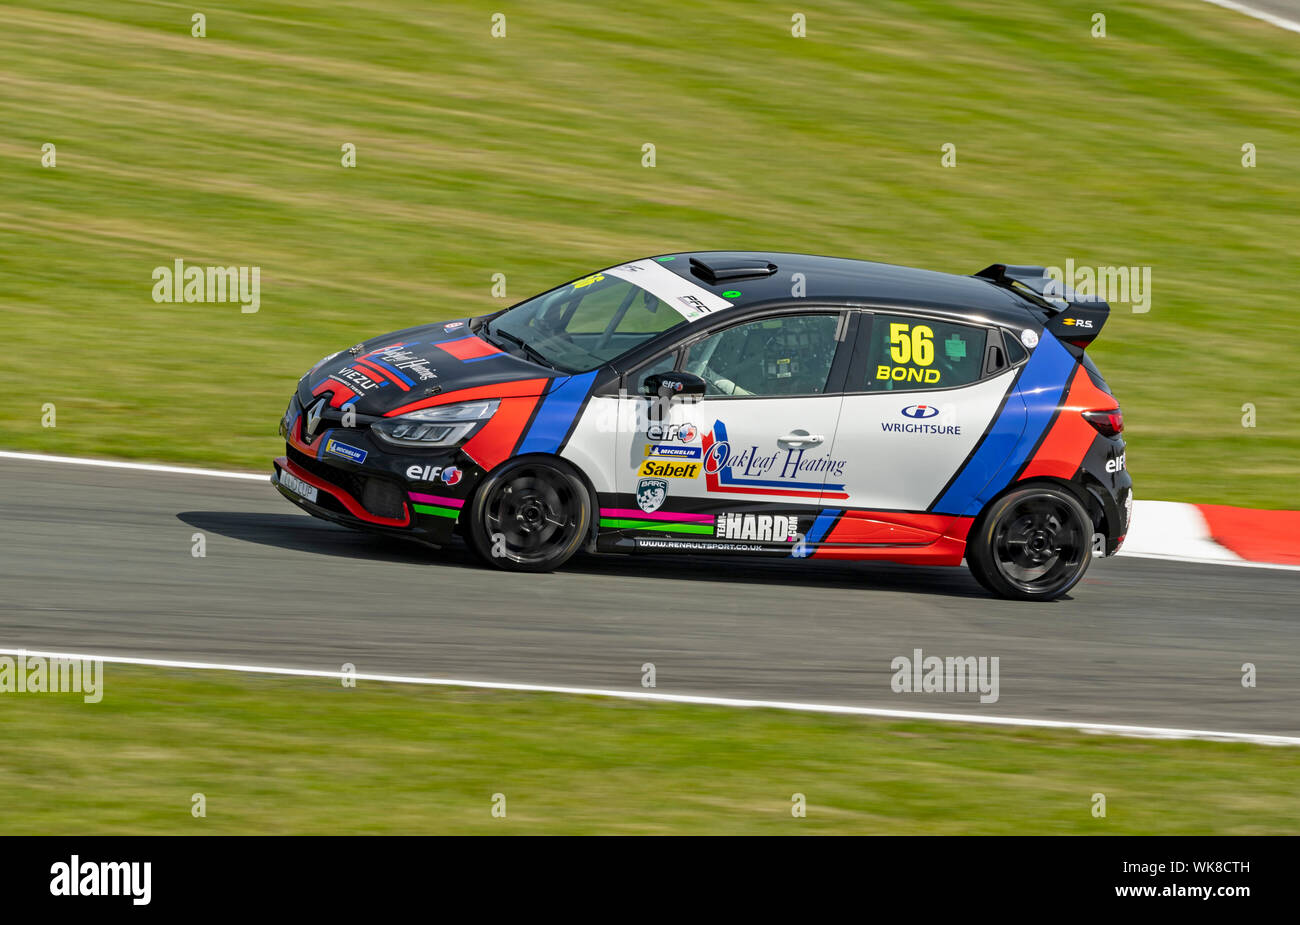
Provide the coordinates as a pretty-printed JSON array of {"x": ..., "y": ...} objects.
[{"x": 839, "y": 280}]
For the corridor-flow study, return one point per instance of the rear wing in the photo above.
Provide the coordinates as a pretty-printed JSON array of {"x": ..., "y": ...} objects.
[{"x": 1073, "y": 318}]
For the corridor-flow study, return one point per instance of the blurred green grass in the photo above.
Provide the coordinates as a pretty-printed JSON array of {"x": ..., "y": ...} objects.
[
  {"x": 286, "y": 756},
  {"x": 522, "y": 156}
]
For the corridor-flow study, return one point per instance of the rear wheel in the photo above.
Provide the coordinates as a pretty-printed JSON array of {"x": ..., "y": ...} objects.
[
  {"x": 1032, "y": 545},
  {"x": 532, "y": 515}
]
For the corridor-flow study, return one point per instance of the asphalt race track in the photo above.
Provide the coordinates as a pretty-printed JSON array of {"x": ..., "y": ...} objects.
[{"x": 99, "y": 561}]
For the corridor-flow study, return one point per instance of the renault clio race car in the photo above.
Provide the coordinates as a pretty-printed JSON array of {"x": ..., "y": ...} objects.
[{"x": 735, "y": 403}]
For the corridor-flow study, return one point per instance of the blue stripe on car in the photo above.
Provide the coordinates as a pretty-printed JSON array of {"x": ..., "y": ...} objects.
[
  {"x": 820, "y": 525},
  {"x": 554, "y": 419},
  {"x": 1006, "y": 446},
  {"x": 390, "y": 368},
  {"x": 324, "y": 439}
]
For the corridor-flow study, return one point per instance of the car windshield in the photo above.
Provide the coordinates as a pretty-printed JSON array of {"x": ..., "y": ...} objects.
[{"x": 584, "y": 324}]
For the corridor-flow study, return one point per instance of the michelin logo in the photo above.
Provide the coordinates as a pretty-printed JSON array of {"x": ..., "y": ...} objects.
[
  {"x": 344, "y": 451},
  {"x": 675, "y": 452}
]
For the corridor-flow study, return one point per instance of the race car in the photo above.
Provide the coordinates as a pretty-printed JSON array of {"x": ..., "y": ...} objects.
[{"x": 735, "y": 403}]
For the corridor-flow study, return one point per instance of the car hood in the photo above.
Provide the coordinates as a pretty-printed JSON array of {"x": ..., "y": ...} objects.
[{"x": 386, "y": 373}]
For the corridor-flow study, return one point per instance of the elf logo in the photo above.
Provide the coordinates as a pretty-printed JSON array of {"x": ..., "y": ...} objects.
[
  {"x": 683, "y": 432},
  {"x": 920, "y": 411},
  {"x": 1117, "y": 464},
  {"x": 449, "y": 475}
]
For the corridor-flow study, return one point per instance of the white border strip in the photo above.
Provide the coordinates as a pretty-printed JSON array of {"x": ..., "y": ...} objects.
[
  {"x": 140, "y": 467},
  {"x": 1273, "y": 20},
  {"x": 1158, "y": 732},
  {"x": 1178, "y": 532}
]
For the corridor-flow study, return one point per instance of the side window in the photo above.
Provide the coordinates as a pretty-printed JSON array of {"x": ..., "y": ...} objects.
[
  {"x": 906, "y": 352},
  {"x": 662, "y": 364},
  {"x": 787, "y": 355}
]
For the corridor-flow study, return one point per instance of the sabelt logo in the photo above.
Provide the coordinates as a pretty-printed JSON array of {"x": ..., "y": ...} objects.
[
  {"x": 669, "y": 470},
  {"x": 920, "y": 411}
]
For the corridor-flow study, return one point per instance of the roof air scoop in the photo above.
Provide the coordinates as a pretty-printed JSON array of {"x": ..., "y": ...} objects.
[{"x": 724, "y": 271}]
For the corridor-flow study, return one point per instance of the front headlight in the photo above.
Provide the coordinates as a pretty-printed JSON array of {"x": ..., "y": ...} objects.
[{"x": 445, "y": 425}]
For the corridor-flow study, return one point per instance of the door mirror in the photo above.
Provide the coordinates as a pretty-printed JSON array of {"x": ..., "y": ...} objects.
[{"x": 674, "y": 385}]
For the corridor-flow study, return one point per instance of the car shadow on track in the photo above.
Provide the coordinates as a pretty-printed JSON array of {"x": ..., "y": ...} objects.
[{"x": 302, "y": 533}]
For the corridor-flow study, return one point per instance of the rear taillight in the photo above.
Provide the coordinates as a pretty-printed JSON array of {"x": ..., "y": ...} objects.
[{"x": 1110, "y": 423}]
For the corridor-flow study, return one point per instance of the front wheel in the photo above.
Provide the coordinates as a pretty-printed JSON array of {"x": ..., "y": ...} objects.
[
  {"x": 1032, "y": 545},
  {"x": 531, "y": 515}
]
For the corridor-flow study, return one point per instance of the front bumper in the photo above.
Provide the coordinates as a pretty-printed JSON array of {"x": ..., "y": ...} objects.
[
  {"x": 362, "y": 482},
  {"x": 337, "y": 505}
]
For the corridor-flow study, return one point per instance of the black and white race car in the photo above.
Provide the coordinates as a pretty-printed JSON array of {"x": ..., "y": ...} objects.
[{"x": 735, "y": 403}]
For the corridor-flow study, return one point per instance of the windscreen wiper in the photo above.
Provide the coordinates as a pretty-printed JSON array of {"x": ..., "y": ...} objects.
[{"x": 531, "y": 352}]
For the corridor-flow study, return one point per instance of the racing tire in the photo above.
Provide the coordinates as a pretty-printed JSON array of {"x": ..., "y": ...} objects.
[
  {"x": 1033, "y": 544},
  {"x": 531, "y": 515}
]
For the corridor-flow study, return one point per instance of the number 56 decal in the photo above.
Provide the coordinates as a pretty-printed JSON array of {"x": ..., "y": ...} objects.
[{"x": 910, "y": 345}]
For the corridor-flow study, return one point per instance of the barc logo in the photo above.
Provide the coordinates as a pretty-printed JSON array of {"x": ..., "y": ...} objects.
[
  {"x": 920, "y": 411},
  {"x": 650, "y": 494}
]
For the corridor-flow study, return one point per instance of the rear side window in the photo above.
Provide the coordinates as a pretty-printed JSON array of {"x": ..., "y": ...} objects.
[{"x": 907, "y": 352}]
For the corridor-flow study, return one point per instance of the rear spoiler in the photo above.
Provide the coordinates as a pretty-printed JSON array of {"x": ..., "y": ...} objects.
[{"x": 1073, "y": 318}]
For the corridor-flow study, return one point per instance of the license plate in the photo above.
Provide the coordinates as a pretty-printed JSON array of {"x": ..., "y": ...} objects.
[{"x": 298, "y": 486}]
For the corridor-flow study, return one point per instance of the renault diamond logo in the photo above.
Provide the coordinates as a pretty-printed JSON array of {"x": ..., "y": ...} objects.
[{"x": 313, "y": 419}]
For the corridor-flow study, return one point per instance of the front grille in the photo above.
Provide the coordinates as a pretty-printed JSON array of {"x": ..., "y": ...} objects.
[
  {"x": 383, "y": 498},
  {"x": 378, "y": 496}
]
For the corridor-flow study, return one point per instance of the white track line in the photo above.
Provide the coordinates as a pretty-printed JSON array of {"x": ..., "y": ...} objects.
[
  {"x": 1240, "y": 563},
  {"x": 1158, "y": 732},
  {"x": 1131, "y": 548},
  {"x": 1289, "y": 24},
  {"x": 141, "y": 467}
]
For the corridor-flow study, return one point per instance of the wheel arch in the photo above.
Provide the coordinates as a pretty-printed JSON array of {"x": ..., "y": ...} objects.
[
  {"x": 1078, "y": 491},
  {"x": 462, "y": 525}
]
